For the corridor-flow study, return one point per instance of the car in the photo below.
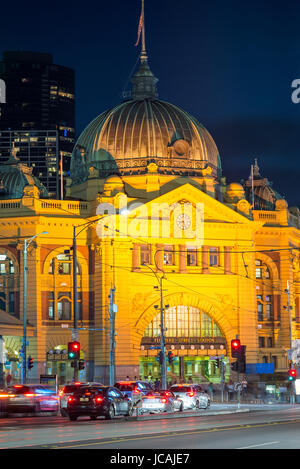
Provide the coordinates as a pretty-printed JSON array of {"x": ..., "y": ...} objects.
[
  {"x": 157, "y": 401},
  {"x": 127, "y": 387},
  {"x": 31, "y": 398},
  {"x": 191, "y": 395},
  {"x": 178, "y": 403},
  {"x": 68, "y": 390},
  {"x": 94, "y": 401}
]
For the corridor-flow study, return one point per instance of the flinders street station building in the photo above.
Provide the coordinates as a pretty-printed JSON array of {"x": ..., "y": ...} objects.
[{"x": 159, "y": 233}]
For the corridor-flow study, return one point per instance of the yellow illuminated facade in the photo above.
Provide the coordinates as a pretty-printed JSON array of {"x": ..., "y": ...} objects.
[{"x": 148, "y": 198}]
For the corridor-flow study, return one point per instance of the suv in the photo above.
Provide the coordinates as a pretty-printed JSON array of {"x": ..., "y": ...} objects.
[
  {"x": 127, "y": 387},
  {"x": 191, "y": 395},
  {"x": 95, "y": 401},
  {"x": 68, "y": 390}
]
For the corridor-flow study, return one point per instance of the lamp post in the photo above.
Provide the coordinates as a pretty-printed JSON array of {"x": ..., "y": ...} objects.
[
  {"x": 162, "y": 331},
  {"x": 27, "y": 242}
]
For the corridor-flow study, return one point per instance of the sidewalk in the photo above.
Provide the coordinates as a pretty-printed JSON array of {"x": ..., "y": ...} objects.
[{"x": 216, "y": 409}]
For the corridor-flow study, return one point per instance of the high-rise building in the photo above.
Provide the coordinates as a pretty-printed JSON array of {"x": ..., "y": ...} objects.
[{"x": 40, "y": 96}]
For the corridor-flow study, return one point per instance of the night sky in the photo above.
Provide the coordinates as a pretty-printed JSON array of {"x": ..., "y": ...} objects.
[{"x": 229, "y": 63}]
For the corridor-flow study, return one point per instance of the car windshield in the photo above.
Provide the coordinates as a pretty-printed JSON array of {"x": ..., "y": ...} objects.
[
  {"x": 69, "y": 388},
  {"x": 181, "y": 389},
  {"x": 126, "y": 387}
]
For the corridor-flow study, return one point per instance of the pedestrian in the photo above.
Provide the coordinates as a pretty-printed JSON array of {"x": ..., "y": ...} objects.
[
  {"x": 8, "y": 379},
  {"x": 211, "y": 391},
  {"x": 127, "y": 378},
  {"x": 244, "y": 386},
  {"x": 230, "y": 390},
  {"x": 156, "y": 384}
]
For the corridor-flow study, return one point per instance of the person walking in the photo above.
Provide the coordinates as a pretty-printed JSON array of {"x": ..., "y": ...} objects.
[{"x": 8, "y": 379}]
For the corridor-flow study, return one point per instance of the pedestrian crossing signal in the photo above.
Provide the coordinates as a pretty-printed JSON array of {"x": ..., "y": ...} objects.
[{"x": 30, "y": 363}]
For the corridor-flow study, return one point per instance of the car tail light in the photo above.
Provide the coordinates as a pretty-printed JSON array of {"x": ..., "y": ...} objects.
[
  {"x": 71, "y": 399},
  {"x": 136, "y": 390},
  {"x": 30, "y": 394},
  {"x": 98, "y": 399},
  {"x": 191, "y": 394},
  {"x": 163, "y": 400}
]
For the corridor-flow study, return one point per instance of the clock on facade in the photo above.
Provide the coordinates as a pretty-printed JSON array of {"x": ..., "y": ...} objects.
[{"x": 183, "y": 221}]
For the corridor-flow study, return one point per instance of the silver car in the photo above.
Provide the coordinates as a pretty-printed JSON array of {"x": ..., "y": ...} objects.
[
  {"x": 31, "y": 398},
  {"x": 155, "y": 402},
  {"x": 191, "y": 395}
]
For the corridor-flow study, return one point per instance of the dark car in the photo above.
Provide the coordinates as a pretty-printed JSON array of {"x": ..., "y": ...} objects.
[
  {"x": 127, "y": 387},
  {"x": 68, "y": 390},
  {"x": 95, "y": 401}
]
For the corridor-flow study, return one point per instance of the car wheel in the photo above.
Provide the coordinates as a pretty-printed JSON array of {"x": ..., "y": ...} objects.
[
  {"x": 111, "y": 413},
  {"x": 208, "y": 404},
  {"x": 197, "y": 406},
  {"x": 93, "y": 417},
  {"x": 63, "y": 413},
  {"x": 73, "y": 417}
]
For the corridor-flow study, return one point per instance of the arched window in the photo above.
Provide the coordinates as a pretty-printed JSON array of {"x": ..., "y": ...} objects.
[
  {"x": 184, "y": 321},
  {"x": 9, "y": 294}
]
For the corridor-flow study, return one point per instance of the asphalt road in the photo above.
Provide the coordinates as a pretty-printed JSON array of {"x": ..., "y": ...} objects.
[{"x": 250, "y": 427}]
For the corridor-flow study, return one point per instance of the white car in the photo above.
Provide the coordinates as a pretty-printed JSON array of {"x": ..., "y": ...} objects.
[{"x": 191, "y": 395}]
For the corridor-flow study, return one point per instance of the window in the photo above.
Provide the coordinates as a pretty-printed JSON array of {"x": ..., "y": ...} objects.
[
  {"x": 169, "y": 255},
  {"x": 214, "y": 260},
  {"x": 261, "y": 342},
  {"x": 50, "y": 305},
  {"x": 270, "y": 342},
  {"x": 260, "y": 311},
  {"x": 64, "y": 306},
  {"x": 145, "y": 254},
  {"x": 191, "y": 256}
]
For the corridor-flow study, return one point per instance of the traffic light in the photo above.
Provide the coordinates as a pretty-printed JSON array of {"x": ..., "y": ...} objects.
[
  {"x": 30, "y": 363},
  {"x": 238, "y": 351},
  {"x": 81, "y": 364},
  {"x": 73, "y": 350},
  {"x": 292, "y": 374},
  {"x": 159, "y": 357},
  {"x": 235, "y": 347},
  {"x": 171, "y": 357}
]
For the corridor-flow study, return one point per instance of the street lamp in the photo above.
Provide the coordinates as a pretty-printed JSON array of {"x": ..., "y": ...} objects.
[
  {"x": 27, "y": 242},
  {"x": 162, "y": 331}
]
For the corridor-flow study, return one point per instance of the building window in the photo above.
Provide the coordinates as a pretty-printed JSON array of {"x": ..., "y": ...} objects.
[
  {"x": 191, "y": 256},
  {"x": 64, "y": 306},
  {"x": 260, "y": 308},
  {"x": 270, "y": 342},
  {"x": 169, "y": 258},
  {"x": 145, "y": 254},
  {"x": 214, "y": 257},
  {"x": 261, "y": 342},
  {"x": 50, "y": 305}
]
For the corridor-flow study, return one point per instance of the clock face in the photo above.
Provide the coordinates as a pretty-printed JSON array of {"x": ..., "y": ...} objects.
[{"x": 183, "y": 221}]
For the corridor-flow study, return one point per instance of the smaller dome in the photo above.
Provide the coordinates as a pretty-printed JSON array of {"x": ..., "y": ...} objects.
[
  {"x": 235, "y": 191},
  {"x": 113, "y": 184}
]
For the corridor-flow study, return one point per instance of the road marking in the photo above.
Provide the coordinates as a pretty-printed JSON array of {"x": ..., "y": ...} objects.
[{"x": 261, "y": 444}]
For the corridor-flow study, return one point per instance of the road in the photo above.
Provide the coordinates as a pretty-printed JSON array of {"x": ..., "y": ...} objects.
[{"x": 264, "y": 427}]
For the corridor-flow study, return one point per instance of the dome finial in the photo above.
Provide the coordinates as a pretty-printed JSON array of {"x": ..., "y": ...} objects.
[
  {"x": 141, "y": 29},
  {"x": 144, "y": 82}
]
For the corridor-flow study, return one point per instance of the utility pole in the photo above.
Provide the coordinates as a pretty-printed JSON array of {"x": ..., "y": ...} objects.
[
  {"x": 112, "y": 311},
  {"x": 75, "y": 335},
  {"x": 27, "y": 242},
  {"x": 162, "y": 339}
]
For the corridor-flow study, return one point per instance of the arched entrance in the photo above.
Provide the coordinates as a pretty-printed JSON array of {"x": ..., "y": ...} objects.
[{"x": 196, "y": 341}]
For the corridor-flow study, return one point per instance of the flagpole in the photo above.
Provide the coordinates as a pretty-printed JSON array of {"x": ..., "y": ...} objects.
[{"x": 143, "y": 53}]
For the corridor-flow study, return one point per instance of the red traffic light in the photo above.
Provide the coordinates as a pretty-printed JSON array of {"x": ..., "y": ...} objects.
[
  {"x": 292, "y": 374},
  {"x": 235, "y": 344},
  {"x": 73, "y": 350}
]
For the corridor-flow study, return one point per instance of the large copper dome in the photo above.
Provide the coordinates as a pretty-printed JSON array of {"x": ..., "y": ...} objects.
[{"x": 126, "y": 138}]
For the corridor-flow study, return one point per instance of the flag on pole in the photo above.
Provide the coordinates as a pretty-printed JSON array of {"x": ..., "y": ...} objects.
[{"x": 139, "y": 29}]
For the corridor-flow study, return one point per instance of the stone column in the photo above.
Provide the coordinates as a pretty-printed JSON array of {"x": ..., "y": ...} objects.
[
  {"x": 182, "y": 259},
  {"x": 135, "y": 258}
]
